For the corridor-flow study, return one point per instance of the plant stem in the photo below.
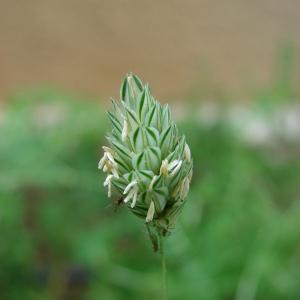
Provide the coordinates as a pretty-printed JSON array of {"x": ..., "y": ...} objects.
[{"x": 163, "y": 267}]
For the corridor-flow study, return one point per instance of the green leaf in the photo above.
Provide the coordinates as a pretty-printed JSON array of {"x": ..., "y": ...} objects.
[
  {"x": 150, "y": 115},
  {"x": 152, "y": 136},
  {"x": 130, "y": 90},
  {"x": 166, "y": 117},
  {"x": 147, "y": 174},
  {"x": 150, "y": 100},
  {"x": 160, "y": 197},
  {"x": 142, "y": 107},
  {"x": 117, "y": 109},
  {"x": 124, "y": 92},
  {"x": 179, "y": 148},
  {"x": 120, "y": 184},
  {"x": 158, "y": 182},
  {"x": 128, "y": 176},
  {"x": 165, "y": 140},
  {"x": 173, "y": 181},
  {"x": 115, "y": 122},
  {"x": 144, "y": 177},
  {"x": 121, "y": 151},
  {"x": 159, "y": 119},
  {"x": 139, "y": 161},
  {"x": 153, "y": 158},
  {"x": 132, "y": 117},
  {"x": 138, "y": 82},
  {"x": 123, "y": 167},
  {"x": 137, "y": 139}
]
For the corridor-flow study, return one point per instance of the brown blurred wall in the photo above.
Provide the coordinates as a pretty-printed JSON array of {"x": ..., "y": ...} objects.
[{"x": 87, "y": 46}]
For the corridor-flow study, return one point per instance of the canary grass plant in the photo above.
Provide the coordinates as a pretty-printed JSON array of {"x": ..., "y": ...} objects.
[{"x": 148, "y": 162}]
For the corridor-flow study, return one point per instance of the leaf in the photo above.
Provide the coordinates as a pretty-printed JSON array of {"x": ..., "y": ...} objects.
[
  {"x": 124, "y": 92},
  {"x": 172, "y": 156},
  {"x": 137, "y": 140},
  {"x": 150, "y": 100},
  {"x": 153, "y": 158},
  {"x": 180, "y": 147},
  {"x": 159, "y": 119},
  {"x": 145, "y": 177},
  {"x": 120, "y": 184},
  {"x": 152, "y": 136},
  {"x": 132, "y": 117},
  {"x": 123, "y": 89},
  {"x": 131, "y": 88},
  {"x": 115, "y": 122},
  {"x": 160, "y": 197},
  {"x": 139, "y": 161},
  {"x": 155, "y": 119},
  {"x": 128, "y": 176},
  {"x": 142, "y": 107},
  {"x": 150, "y": 115},
  {"x": 138, "y": 82},
  {"x": 173, "y": 181},
  {"x": 166, "y": 117},
  {"x": 122, "y": 166},
  {"x": 158, "y": 182},
  {"x": 165, "y": 140},
  {"x": 117, "y": 109},
  {"x": 121, "y": 151},
  {"x": 147, "y": 174}
]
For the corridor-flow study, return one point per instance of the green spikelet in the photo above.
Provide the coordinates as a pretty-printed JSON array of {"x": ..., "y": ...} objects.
[{"x": 148, "y": 162}]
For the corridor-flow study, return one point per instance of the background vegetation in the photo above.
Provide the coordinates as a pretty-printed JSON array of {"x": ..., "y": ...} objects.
[{"x": 62, "y": 238}]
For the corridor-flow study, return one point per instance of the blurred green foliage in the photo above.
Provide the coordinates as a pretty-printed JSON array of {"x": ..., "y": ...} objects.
[{"x": 61, "y": 238}]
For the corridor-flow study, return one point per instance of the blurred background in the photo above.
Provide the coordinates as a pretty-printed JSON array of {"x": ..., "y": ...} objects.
[{"x": 230, "y": 71}]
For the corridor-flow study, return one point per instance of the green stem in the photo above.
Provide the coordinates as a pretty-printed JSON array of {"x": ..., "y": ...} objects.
[{"x": 163, "y": 267}]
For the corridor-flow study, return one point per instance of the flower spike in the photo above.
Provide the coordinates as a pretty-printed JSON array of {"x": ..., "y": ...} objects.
[{"x": 148, "y": 163}]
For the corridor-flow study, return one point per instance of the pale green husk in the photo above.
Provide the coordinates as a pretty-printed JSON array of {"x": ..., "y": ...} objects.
[{"x": 148, "y": 161}]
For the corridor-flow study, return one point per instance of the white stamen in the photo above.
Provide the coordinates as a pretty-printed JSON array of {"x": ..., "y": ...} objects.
[
  {"x": 172, "y": 167},
  {"x": 129, "y": 186},
  {"x": 110, "y": 157},
  {"x": 164, "y": 168},
  {"x": 107, "y": 180},
  {"x": 150, "y": 212},
  {"x": 176, "y": 190},
  {"x": 134, "y": 200},
  {"x": 132, "y": 192},
  {"x": 173, "y": 164},
  {"x": 107, "y": 149},
  {"x": 152, "y": 183},
  {"x": 115, "y": 173},
  {"x": 187, "y": 152},
  {"x": 107, "y": 162},
  {"x": 129, "y": 196},
  {"x": 184, "y": 188},
  {"x": 102, "y": 161},
  {"x": 176, "y": 168},
  {"x": 109, "y": 191},
  {"x": 100, "y": 164},
  {"x": 125, "y": 131},
  {"x": 107, "y": 183}
]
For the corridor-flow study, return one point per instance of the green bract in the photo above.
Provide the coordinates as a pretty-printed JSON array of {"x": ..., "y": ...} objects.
[{"x": 148, "y": 161}]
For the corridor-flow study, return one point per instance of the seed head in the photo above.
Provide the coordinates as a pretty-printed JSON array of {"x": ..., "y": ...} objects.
[{"x": 148, "y": 161}]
